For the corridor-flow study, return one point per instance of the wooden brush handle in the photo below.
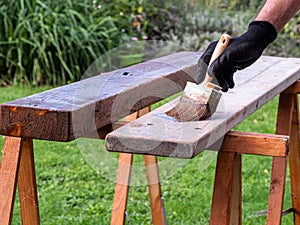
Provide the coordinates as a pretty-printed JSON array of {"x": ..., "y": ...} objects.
[{"x": 220, "y": 47}]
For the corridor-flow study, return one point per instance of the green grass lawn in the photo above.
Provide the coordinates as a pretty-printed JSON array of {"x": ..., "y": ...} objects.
[{"x": 72, "y": 192}]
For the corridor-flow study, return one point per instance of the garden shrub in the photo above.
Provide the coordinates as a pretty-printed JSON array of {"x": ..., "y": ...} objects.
[{"x": 54, "y": 42}]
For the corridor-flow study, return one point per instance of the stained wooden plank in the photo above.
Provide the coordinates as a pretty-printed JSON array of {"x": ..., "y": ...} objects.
[
  {"x": 71, "y": 111},
  {"x": 103, "y": 131},
  {"x": 8, "y": 178},
  {"x": 157, "y": 134},
  {"x": 256, "y": 143}
]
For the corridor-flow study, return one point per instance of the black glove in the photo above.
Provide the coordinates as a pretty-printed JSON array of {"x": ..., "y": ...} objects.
[{"x": 241, "y": 52}]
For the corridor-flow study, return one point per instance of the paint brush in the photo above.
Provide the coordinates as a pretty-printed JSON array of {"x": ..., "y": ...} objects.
[{"x": 199, "y": 102}]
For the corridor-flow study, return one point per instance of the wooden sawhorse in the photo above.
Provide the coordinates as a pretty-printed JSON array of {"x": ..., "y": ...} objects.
[
  {"x": 49, "y": 116},
  {"x": 227, "y": 198},
  {"x": 18, "y": 167},
  {"x": 227, "y": 195},
  {"x": 186, "y": 140},
  {"x": 226, "y": 205}
]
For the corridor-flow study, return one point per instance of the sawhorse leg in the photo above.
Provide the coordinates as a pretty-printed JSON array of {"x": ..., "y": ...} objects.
[
  {"x": 279, "y": 165},
  {"x": 288, "y": 111},
  {"x": 227, "y": 195},
  {"x": 18, "y": 167},
  {"x": 123, "y": 182},
  {"x": 8, "y": 178},
  {"x": 155, "y": 195},
  {"x": 121, "y": 189},
  {"x": 294, "y": 162},
  {"x": 226, "y": 203},
  {"x": 294, "y": 156}
]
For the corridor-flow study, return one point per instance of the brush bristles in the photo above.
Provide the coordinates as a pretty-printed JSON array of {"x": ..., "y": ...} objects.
[{"x": 190, "y": 110}]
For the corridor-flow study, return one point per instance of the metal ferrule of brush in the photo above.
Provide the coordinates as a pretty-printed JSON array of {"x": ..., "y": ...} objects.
[{"x": 214, "y": 97}]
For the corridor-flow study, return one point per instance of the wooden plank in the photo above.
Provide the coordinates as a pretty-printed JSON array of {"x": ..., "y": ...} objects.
[
  {"x": 227, "y": 180},
  {"x": 256, "y": 143},
  {"x": 157, "y": 134},
  {"x": 71, "y": 111},
  {"x": 156, "y": 203},
  {"x": 8, "y": 178},
  {"x": 277, "y": 185},
  {"x": 27, "y": 185},
  {"x": 103, "y": 131},
  {"x": 294, "y": 162}
]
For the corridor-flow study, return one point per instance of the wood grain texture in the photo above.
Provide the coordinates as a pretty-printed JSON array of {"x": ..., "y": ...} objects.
[
  {"x": 294, "y": 162},
  {"x": 8, "y": 178},
  {"x": 121, "y": 189},
  {"x": 277, "y": 186},
  {"x": 226, "y": 202},
  {"x": 71, "y": 111},
  {"x": 256, "y": 143},
  {"x": 123, "y": 178},
  {"x": 236, "y": 199},
  {"x": 122, "y": 184},
  {"x": 157, "y": 134},
  {"x": 154, "y": 188},
  {"x": 293, "y": 89},
  {"x": 27, "y": 185},
  {"x": 278, "y": 176}
]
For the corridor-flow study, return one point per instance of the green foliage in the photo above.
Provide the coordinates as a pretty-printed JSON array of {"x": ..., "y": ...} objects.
[
  {"x": 164, "y": 17},
  {"x": 130, "y": 17},
  {"x": 54, "y": 42},
  {"x": 290, "y": 38},
  {"x": 204, "y": 21},
  {"x": 51, "y": 42},
  {"x": 199, "y": 27}
]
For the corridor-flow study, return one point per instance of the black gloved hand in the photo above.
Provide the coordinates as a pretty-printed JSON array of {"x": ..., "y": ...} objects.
[{"x": 241, "y": 52}]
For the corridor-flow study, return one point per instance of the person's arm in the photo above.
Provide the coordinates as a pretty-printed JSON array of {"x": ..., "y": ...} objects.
[
  {"x": 278, "y": 12},
  {"x": 244, "y": 50}
]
